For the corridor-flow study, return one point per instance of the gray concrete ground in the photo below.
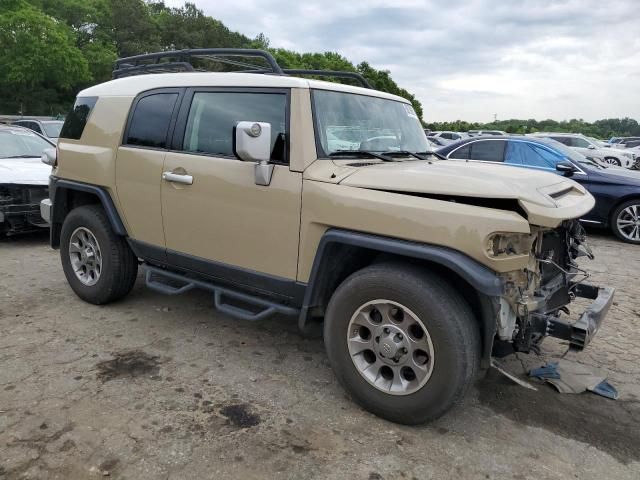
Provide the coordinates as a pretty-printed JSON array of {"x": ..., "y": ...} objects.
[{"x": 158, "y": 387}]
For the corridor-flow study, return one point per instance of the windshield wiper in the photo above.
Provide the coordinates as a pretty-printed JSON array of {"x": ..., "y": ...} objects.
[
  {"x": 405, "y": 153},
  {"x": 22, "y": 156},
  {"x": 360, "y": 153}
]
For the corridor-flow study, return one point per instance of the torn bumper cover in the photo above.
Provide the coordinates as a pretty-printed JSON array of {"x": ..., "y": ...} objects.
[
  {"x": 20, "y": 208},
  {"x": 580, "y": 333}
]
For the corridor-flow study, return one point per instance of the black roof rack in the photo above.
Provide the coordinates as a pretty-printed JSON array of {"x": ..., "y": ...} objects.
[{"x": 182, "y": 61}]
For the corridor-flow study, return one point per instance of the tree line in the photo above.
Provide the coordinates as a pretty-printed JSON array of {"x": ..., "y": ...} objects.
[
  {"x": 607, "y": 128},
  {"x": 51, "y": 49}
]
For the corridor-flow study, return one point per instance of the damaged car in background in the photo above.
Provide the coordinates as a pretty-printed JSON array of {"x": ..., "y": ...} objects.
[{"x": 23, "y": 180}]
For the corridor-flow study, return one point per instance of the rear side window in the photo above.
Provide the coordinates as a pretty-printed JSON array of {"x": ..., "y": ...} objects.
[
  {"x": 488, "y": 150},
  {"x": 77, "y": 118},
  {"x": 213, "y": 116},
  {"x": 462, "y": 153},
  {"x": 149, "y": 124}
]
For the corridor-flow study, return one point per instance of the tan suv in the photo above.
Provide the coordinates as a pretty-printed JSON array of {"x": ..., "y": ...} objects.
[{"x": 319, "y": 201}]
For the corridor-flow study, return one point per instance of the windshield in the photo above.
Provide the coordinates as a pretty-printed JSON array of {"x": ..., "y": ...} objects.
[
  {"x": 52, "y": 129},
  {"x": 351, "y": 122},
  {"x": 21, "y": 143}
]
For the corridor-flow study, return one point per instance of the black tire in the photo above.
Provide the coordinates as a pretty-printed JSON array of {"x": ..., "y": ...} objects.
[
  {"x": 448, "y": 320},
  {"x": 119, "y": 264},
  {"x": 614, "y": 221}
]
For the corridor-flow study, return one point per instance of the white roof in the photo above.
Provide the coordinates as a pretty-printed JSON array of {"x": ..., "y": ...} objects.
[{"x": 131, "y": 86}]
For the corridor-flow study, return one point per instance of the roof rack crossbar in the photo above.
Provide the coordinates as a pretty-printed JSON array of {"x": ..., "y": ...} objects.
[{"x": 132, "y": 65}]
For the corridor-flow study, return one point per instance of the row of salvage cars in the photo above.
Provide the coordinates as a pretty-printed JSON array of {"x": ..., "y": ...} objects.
[
  {"x": 615, "y": 189},
  {"x": 24, "y": 178}
]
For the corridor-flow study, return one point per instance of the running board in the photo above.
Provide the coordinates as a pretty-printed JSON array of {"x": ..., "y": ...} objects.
[{"x": 171, "y": 283}]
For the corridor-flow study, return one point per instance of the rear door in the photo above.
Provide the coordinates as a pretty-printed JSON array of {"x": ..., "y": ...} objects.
[
  {"x": 139, "y": 166},
  {"x": 220, "y": 222}
]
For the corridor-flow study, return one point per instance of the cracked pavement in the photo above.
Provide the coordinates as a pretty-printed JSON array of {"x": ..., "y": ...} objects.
[{"x": 157, "y": 387}]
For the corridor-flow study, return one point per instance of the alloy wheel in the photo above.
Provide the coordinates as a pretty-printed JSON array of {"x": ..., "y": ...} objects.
[
  {"x": 85, "y": 256},
  {"x": 390, "y": 347},
  {"x": 628, "y": 222}
]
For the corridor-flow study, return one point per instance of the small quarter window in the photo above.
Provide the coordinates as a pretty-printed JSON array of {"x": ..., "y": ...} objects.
[
  {"x": 149, "y": 124},
  {"x": 77, "y": 118}
]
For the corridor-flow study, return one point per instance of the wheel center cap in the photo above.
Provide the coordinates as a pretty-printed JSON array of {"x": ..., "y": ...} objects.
[{"x": 391, "y": 344}]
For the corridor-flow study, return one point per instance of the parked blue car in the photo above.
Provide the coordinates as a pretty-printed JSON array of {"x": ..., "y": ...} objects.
[{"x": 616, "y": 190}]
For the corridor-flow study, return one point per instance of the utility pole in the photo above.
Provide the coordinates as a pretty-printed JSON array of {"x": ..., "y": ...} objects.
[{"x": 495, "y": 117}]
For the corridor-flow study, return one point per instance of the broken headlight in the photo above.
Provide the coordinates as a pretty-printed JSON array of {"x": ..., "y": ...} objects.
[{"x": 508, "y": 244}]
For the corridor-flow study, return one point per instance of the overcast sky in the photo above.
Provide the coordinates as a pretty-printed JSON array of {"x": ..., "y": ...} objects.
[{"x": 470, "y": 59}]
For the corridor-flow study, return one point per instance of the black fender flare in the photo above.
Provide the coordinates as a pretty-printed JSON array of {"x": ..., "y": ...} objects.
[
  {"x": 485, "y": 281},
  {"x": 58, "y": 189}
]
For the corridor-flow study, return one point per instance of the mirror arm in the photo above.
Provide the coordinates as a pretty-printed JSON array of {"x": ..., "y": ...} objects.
[{"x": 264, "y": 172}]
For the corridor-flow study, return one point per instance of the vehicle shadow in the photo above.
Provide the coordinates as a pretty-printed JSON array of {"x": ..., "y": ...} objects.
[{"x": 34, "y": 238}]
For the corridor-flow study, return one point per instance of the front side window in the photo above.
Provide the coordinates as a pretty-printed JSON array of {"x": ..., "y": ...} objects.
[
  {"x": 77, "y": 119},
  {"x": 523, "y": 153},
  {"x": 214, "y": 115},
  {"x": 352, "y": 122},
  {"x": 149, "y": 124},
  {"x": 564, "y": 140},
  {"x": 488, "y": 150},
  {"x": 462, "y": 153}
]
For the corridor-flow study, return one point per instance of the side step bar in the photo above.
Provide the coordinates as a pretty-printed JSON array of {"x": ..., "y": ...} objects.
[{"x": 171, "y": 283}]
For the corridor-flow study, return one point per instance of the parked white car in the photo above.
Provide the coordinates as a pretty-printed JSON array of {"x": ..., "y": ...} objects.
[
  {"x": 451, "y": 136},
  {"x": 24, "y": 179},
  {"x": 590, "y": 149},
  {"x": 478, "y": 133}
]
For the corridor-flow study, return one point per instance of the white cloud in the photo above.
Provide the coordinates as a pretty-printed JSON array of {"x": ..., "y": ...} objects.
[{"x": 469, "y": 59}]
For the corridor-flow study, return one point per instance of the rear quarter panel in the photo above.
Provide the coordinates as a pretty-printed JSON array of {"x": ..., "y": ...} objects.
[{"x": 92, "y": 158}]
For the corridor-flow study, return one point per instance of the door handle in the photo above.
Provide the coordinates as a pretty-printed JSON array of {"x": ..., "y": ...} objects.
[{"x": 178, "y": 178}]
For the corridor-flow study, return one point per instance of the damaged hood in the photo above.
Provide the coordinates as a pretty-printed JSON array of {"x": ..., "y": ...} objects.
[
  {"x": 24, "y": 171},
  {"x": 546, "y": 198}
]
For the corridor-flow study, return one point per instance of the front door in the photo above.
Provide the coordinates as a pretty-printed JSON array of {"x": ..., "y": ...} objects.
[{"x": 217, "y": 221}]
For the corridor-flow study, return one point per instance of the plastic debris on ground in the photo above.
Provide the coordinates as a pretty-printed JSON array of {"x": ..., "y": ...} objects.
[{"x": 571, "y": 377}]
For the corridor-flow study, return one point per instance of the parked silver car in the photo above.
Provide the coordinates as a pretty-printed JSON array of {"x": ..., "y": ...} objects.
[
  {"x": 47, "y": 128},
  {"x": 590, "y": 149}
]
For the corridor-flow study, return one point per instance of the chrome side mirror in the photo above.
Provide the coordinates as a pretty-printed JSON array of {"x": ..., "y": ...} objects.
[
  {"x": 49, "y": 157},
  {"x": 591, "y": 147},
  {"x": 252, "y": 143}
]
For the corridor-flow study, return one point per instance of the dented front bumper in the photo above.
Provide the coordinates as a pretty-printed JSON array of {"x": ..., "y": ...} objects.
[{"x": 582, "y": 331}]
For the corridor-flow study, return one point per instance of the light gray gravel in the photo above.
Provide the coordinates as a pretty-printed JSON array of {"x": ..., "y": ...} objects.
[{"x": 157, "y": 387}]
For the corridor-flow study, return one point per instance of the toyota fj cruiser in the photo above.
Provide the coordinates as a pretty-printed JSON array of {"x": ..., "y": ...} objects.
[{"x": 321, "y": 201}]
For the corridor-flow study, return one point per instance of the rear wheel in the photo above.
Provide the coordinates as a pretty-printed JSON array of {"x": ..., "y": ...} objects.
[
  {"x": 99, "y": 265},
  {"x": 625, "y": 222},
  {"x": 402, "y": 342}
]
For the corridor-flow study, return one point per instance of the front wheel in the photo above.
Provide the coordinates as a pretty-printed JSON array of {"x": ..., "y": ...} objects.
[
  {"x": 99, "y": 265},
  {"x": 612, "y": 161},
  {"x": 625, "y": 222},
  {"x": 402, "y": 342}
]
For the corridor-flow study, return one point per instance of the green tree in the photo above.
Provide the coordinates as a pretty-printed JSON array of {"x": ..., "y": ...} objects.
[{"x": 39, "y": 62}]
